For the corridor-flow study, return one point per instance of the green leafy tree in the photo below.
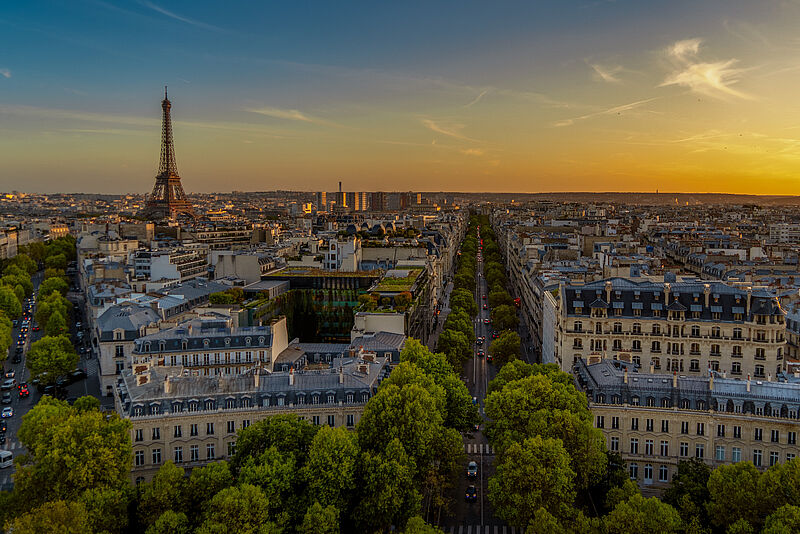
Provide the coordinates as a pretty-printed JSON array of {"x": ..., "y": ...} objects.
[
  {"x": 455, "y": 345},
  {"x": 276, "y": 474},
  {"x": 784, "y": 519},
  {"x": 533, "y": 474},
  {"x": 465, "y": 300},
  {"x": 51, "y": 357},
  {"x": 34, "y": 251},
  {"x": 464, "y": 280},
  {"x": 12, "y": 280},
  {"x": 167, "y": 491},
  {"x": 69, "y": 452},
  {"x": 504, "y": 317},
  {"x": 243, "y": 509},
  {"x": 205, "y": 482},
  {"x": 54, "y": 273},
  {"x": 107, "y": 508},
  {"x": 500, "y": 297},
  {"x": 24, "y": 263},
  {"x": 170, "y": 522},
  {"x": 638, "y": 515},
  {"x": 331, "y": 467},
  {"x": 733, "y": 492},
  {"x": 56, "y": 261},
  {"x": 50, "y": 304},
  {"x": 221, "y": 298},
  {"x": 320, "y": 520},
  {"x": 505, "y": 348},
  {"x": 54, "y": 284},
  {"x": 9, "y": 303},
  {"x": 56, "y": 325},
  {"x": 288, "y": 433},
  {"x": 517, "y": 369},
  {"x": 56, "y": 516},
  {"x": 417, "y": 525},
  {"x": 6, "y": 335},
  {"x": 688, "y": 492},
  {"x": 740, "y": 526}
]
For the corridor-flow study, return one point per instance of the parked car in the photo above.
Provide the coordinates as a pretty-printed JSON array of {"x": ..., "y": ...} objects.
[
  {"x": 6, "y": 398},
  {"x": 8, "y": 411},
  {"x": 8, "y": 383},
  {"x": 472, "y": 469},
  {"x": 17, "y": 358},
  {"x": 472, "y": 494},
  {"x": 10, "y": 373}
]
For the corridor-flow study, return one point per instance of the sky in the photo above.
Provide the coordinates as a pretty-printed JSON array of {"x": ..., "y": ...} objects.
[{"x": 527, "y": 96}]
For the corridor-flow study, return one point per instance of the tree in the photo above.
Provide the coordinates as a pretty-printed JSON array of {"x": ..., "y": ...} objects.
[
  {"x": 417, "y": 525},
  {"x": 517, "y": 369},
  {"x": 69, "y": 452},
  {"x": 319, "y": 520},
  {"x": 500, "y": 297},
  {"x": 533, "y": 474},
  {"x": 107, "y": 508},
  {"x": 331, "y": 467},
  {"x": 170, "y": 522},
  {"x": 6, "y": 335},
  {"x": 288, "y": 433},
  {"x": 784, "y": 519},
  {"x": 504, "y": 317},
  {"x": 50, "y": 358},
  {"x": 505, "y": 348},
  {"x": 276, "y": 475},
  {"x": 56, "y": 325},
  {"x": 733, "y": 492},
  {"x": 57, "y": 516},
  {"x": 167, "y": 491},
  {"x": 222, "y": 298},
  {"x": 25, "y": 263},
  {"x": 243, "y": 509},
  {"x": 205, "y": 482},
  {"x": 464, "y": 280},
  {"x": 455, "y": 345},
  {"x": 638, "y": 515},
  {"x": 9, "y": 303},
  {"x": 34, "y": 250},
  {"x": 688, "y": 492},
  {"x": 53, "y": 284},
  {"x": 464, "y": 299},
  {"x": 402, "y": 300},
  {"x": 56, "y": 261},
  {"x": 54, "y": 273}
]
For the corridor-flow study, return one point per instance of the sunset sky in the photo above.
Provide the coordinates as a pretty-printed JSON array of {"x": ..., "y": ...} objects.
[{"x": 472, "y": 96}]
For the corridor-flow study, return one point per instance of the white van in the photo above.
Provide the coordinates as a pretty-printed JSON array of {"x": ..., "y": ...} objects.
[{"x": 6, "y": 459}]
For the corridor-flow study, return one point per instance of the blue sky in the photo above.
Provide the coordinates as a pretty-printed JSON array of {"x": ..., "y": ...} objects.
[{"x": 516, "y": 96}]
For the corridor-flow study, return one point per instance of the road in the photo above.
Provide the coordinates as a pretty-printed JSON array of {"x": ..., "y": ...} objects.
[{"x": 477, "y": 517}]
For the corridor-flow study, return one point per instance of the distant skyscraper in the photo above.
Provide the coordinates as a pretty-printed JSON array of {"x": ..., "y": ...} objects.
[
  {"x": 168, "y": 198},
  {"x": 341, "y": 198},
  {"x": 378, "y": 201},
  {"x": 322, "y": 201}
]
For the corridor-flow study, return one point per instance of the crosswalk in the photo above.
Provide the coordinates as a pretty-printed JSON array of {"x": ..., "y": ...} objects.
[
  {"x": 481, "y": 529},
  {"x": 12, "y": 445},
  {"x": 479, "y": 448}
]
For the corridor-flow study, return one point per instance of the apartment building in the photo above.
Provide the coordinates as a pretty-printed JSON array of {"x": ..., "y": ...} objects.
[
  {"x": 685, "y": 326},
  {"x": 192, "y": 420},
  {"x": 178, "y": 264},
  {"x": 655, "y": 420}
]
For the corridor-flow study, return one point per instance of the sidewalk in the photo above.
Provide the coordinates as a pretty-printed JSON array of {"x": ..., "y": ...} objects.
[{"x": 445, "y": 310}]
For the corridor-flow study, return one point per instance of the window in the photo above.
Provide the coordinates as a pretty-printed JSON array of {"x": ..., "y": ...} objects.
[
  {"x": 245, "y": 423},
  {"x": 715, "y": 350},
  {"x": 138, "y": 458},
  {"x": 655, "y": 346},
  {"x": 737, "y": 333},
  {"x": 759, "y": 371},
  {"x": 736, "y": 454},
  {"x": 758, "y": 434},
  {"x": 720, "y": 453},
  {"x": 757, "y": 457},
  {"x": 139, "y": 434},
  {"x": 775, "y": 436},
  {"x": 194, "y": 453},
  {"x": 634, "y": 446},
  {"x": 633, "y": 470},
  {"x": 791, "y": 438},
  {"x": 615, "y": 423},
  {"x": 684, "y": 449},
  {"x": 720, "y": 431},
  {"x": 178, "y": 454},
  {"x": 634, "y": 423},
  {"x": 600, "y": 422},
  {"x": 578, "y": 326},
  {"x": 350, "y": 420},
  {"x": 701, "y": 429},
  {"x": 773, "y": 458},
  {"x": 210, "y": 451},
  {"x": 694, "y": 348},
  {"x": 156, "y": 433},
  {"x": 736, "y": 368},
  {"x": 119, "y": 351},
  {"x": 695, "y": 331},
  {"x": 177, "y": 431},
  {"x": 684, "y": 427},
  {"x": 648, "y": 447},
  {"x": 789, "y": 456},
  {"x": 617, "y": 328},
  {"x": 656, "y": 329},
  {"x": 737, "y": 432},
  {"x": 209, "y": 429},
  {"x": 648, "y": 473},
  {"x": 664, "y": 448},
  {"x": 665, "y": 425},
  {"x": 193, "y": 429},
  {"x": 315, "y": 419},
  {"x": 637, "y": 328},
  {"x": 231, "y": 448},
  {"x": 614, "y": 444},
  {"x": 663, "y": 473},
  {"x": 699, "y": 450},
  {"x": 694, "y": 365},
  {"x": 331, "y": 420},
  {"x": 156, "y": 456},
  {"x": 636, "y": 346},
  {"x": 231, "y": 427},
  {"x": 737, "y": 351}
]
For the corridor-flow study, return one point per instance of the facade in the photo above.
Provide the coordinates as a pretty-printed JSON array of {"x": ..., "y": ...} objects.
[
  {"x": 178, "y": 264},
  {"x": 193, "y": 420},
  {"x": 784, "y": 232},
  {"x": 687, "y": 327},
  {"x": 656, "y": 420}
]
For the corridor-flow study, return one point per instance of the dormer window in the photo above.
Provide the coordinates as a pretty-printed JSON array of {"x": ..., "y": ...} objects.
[
  {"x": 162, "y": 346},
  {"x": 184, "y": 344},
  {"x": 206, "y": 343},
  {"x": 247, "y": 341},
  {"x": 261, "y": 340},
  {"x": 147, "y": 347},
  {"x": 227, "y": 341}
]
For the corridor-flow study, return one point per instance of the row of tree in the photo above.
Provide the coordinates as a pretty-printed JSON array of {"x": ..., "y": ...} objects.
[{"x": 286, "y": 475}]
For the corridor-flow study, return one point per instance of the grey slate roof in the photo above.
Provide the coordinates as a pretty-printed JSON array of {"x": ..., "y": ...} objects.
[{"x": 128, "y": 317}]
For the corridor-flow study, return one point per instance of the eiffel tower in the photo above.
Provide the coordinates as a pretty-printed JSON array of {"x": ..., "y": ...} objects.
[{"x": 168, "y": 198}]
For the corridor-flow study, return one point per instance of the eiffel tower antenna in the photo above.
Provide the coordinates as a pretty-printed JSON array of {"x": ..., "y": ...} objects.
[{"x": 168, "y": 198}]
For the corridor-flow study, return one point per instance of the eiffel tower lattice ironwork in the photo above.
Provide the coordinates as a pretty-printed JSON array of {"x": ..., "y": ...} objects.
[{"x": 168, "y": 198}]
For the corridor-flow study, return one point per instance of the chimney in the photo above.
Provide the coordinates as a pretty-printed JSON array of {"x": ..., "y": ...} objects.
[
  {"x": 706, "y": 293},
  {"x": 652, "y": 367},
  {"x": 749, "y": 297},
  {"x": 748, "y": 382},
  {"x": 711, "y": 381},
  {"x": 609, "y": 285},
  {"x": 167, "y": 386},
  {"x": 675, "y": 379},
  {"x": 667, "y": 288},
  {"x": 291, "y": 376},
  {"x": 257, "y": 378},
  {"x": 341, "y": 374},
  {"x": 625, "y": 375}
]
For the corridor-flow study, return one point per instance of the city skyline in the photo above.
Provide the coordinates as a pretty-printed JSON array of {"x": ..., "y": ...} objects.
[{"x": 567, "y": 96}]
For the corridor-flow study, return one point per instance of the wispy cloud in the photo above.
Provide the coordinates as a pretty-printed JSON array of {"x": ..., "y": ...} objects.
[
  {"x": 713, "y": 79},
  {"x": 180, "y": 18},
  {"x": 606, "y": 74},
  {"x": 477, "y": 98},
  {"x": 288, "y": 114},
  {"x": 616, "y": 110},
  {"x": 450, "y": 129},
  {"x": 5, "y": 73},
  {"x": 473, "y": 152}
]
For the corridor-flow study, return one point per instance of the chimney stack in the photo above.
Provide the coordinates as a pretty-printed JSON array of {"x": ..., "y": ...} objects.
[
  {"x": 341, "y": 374},
  {"x": 167, "y": 386},
  {"x": 711, "y": 380},
  {"x": 652, "y": 367},
  {"x": 291, "y": 376},
  {"x": 748, "y": 382},
  {"x": 675, "y": 379},
  {"x": 625, "y": 376},
  {"x": 257, "y": 378}
]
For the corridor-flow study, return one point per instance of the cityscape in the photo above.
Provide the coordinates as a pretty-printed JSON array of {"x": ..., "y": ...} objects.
[{"x": 422, "y": 302}]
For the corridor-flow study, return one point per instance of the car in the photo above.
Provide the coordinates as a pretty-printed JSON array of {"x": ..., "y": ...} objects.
[
  {"x": 78, "y": 324},
  {"x": 3, "y": 426},
  {"x": 474, "y": 400},
  {"x": 480, "y": 354},
  {"x": 10, "y": 373},
  {"x": 483, "y": 296},
  {"x": 78, "y": 374},
  {"x": 2, "y": 438},
  {"x": 8, "y": 411},
  {"x": 17, "y": 358},
  {"x": 472, "y": 469},
  {"x": 15, "y": 322},
  {"x": 22, "y": 385},
  {"x": 24, "y": 393},
  {"x": 9, "y": 383},
  {"x": 471, "y": 494},
  {"x": 489, "y": 358},
  {"x": 487, "y": 321},
  {"x": 6, "y": 398},
  {"x": 36, "y": 328},
  {"x": 485, "y": 306},
  {"x": 478, "y": 341}
]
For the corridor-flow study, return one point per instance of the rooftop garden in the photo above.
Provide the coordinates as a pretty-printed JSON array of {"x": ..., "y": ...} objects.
[{"x": 391, "y": 283}]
